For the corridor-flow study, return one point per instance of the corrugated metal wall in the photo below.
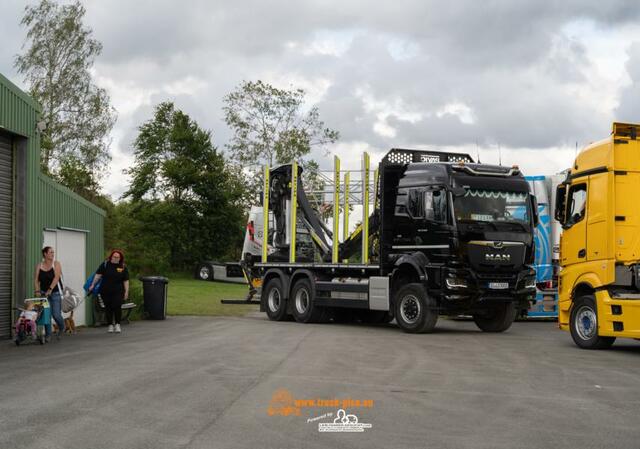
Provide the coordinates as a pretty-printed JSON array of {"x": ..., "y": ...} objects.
[
  {"x": 6, "y": 234},
  {"x": 55, "y": 206},
  {"x": 48, "y": 204}
]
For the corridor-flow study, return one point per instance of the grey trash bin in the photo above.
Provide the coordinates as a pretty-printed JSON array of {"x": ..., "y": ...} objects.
[{"x": 154, "y": 290}]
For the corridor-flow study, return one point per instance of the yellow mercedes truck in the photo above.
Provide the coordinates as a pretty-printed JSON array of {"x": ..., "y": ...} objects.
[{"x": 599, "y": 207}]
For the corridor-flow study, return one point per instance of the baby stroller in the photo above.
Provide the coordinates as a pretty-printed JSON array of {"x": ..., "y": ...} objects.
[{"x": 41, "y": 306}]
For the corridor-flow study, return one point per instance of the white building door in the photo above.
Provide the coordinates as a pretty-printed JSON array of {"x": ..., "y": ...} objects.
[{"x": 70, "y": 248}]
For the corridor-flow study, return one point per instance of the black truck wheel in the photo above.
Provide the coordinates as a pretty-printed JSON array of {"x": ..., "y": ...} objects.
[
  {"x": 275, "y": 302},
  {"x": 204, "y": 272},
  {"x": 584, "y": 325},
  {"x": 303, "y": 303},
  {"x": 415, "y": 310},
  {"x": 497, "y": 319}
]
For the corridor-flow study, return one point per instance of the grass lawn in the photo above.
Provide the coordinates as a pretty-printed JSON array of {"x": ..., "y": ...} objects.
[{"x": 188, "y": 296}]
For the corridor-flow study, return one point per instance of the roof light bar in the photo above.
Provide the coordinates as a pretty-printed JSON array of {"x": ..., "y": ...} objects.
[{"x": 488, "y": 171}]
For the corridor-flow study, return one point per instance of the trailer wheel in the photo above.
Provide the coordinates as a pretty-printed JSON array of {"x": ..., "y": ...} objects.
[
  {"x": 275, "y": 302},
  {"x": 204, "y": 272},
  {"x": 303, "y": 306},
  {"x": 584, "y": 325},
  {"x": 415, "y": 310},
  {"x": 497, "y": 319}
]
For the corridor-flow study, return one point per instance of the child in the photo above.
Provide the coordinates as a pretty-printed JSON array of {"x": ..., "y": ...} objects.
[{"x": 27, "y": 320}]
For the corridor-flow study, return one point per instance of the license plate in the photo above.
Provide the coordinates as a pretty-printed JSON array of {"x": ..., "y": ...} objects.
[{"x": 498, "y": 285}]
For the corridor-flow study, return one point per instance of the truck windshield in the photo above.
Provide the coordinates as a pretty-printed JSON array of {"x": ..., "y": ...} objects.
[{"x": 493, "y": 206}]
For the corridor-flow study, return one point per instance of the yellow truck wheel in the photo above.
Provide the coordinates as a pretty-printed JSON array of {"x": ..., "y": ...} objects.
[{"x": 584, "y": 324}]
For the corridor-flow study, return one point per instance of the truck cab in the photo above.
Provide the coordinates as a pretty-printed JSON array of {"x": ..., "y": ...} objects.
[
  {"x": 599, "y": 283},
  {"x": 464, "y": 229}
]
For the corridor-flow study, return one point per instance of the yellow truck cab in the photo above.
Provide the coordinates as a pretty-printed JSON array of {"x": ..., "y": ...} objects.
[{"x": 599, "y": 207}]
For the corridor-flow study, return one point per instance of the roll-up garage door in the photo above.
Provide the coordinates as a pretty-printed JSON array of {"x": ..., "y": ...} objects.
[{"x": 6, "y": 228}]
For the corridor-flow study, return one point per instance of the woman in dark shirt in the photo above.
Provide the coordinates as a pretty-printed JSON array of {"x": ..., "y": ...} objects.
[
  {"x": 47, "y": 282},
  {"x": 114, "y": 288}
]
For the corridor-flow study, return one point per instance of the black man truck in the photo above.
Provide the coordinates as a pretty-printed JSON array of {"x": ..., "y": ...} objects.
[
  {"x": 446, "y": 236},
  {"x": 599, "y": 283}
]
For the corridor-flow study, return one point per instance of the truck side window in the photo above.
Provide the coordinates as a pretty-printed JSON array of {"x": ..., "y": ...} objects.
[
  {"x": 435, "y": 206},
  {"x": 415, "y": 204},
  {"x": 578, "y": 203},
  {"x": 439, "y": 206}
]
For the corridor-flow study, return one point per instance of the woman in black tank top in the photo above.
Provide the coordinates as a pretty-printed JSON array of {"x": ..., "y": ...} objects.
[
  {"x": 45, "y": 278},
  {"x": 47, "y": 283}
]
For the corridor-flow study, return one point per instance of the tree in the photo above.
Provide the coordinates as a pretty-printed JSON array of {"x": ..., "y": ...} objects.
[
  {"x": 56, "y": 66},
  {"x": 183, "y": 191},
  {"x": 270, "y": 126}
]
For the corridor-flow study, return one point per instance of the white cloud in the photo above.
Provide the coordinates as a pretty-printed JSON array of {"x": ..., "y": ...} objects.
[
  {"x": 382, "y": 128},
  {"x": 328, "y": 42},
  {"x": 187, "y": 86},
  {"x": 126, "y": 96},
  {"x": 402, "y": 49},
  {"x": 460, "y": 110}
]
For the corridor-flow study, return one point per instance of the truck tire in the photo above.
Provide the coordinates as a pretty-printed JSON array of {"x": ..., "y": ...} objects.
[
  {"x": 415, "y": 310},
  {"x": 497, "y": 319},
  {"x": 584, "y": 325},
  {"x": 274, "y": 300},
  {"x": 204, "y": 272},
  {"x": 303, "y": 303}
]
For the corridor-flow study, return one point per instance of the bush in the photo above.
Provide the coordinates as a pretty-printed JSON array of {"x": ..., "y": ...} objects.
[{"x": 136, "y": 296}]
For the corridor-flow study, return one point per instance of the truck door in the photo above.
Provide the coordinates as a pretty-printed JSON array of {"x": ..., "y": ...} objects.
[
  {"x": 574, "y": 238},
  {"x": 599, "y": 216},
  {"x": 422, "y": 225}
]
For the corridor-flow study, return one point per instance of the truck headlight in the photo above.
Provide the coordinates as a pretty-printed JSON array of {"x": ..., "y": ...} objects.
[
  {"x": 530, "y": 283},
  {"x": 455, "y": 282}
]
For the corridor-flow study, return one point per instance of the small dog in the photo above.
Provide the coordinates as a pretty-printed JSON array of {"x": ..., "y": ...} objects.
[{"x": 69, "y": 325}]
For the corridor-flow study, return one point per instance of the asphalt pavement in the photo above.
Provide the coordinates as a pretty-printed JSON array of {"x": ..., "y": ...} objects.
[{"x": 250, "y": 383}]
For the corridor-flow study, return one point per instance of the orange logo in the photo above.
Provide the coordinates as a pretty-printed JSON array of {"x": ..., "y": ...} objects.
[{"x": 282, "y": 403}]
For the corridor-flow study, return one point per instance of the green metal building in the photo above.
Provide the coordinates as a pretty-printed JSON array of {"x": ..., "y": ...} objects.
[{"x": 35, "y": 211}]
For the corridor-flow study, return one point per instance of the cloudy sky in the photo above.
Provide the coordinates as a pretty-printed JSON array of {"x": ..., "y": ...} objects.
[{"x": 532, "y": 78}]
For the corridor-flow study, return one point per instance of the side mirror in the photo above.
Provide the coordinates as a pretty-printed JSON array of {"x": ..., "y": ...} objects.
[
  {"x": 534, "y": 210},
  {"x": 561, "y": 202}
]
